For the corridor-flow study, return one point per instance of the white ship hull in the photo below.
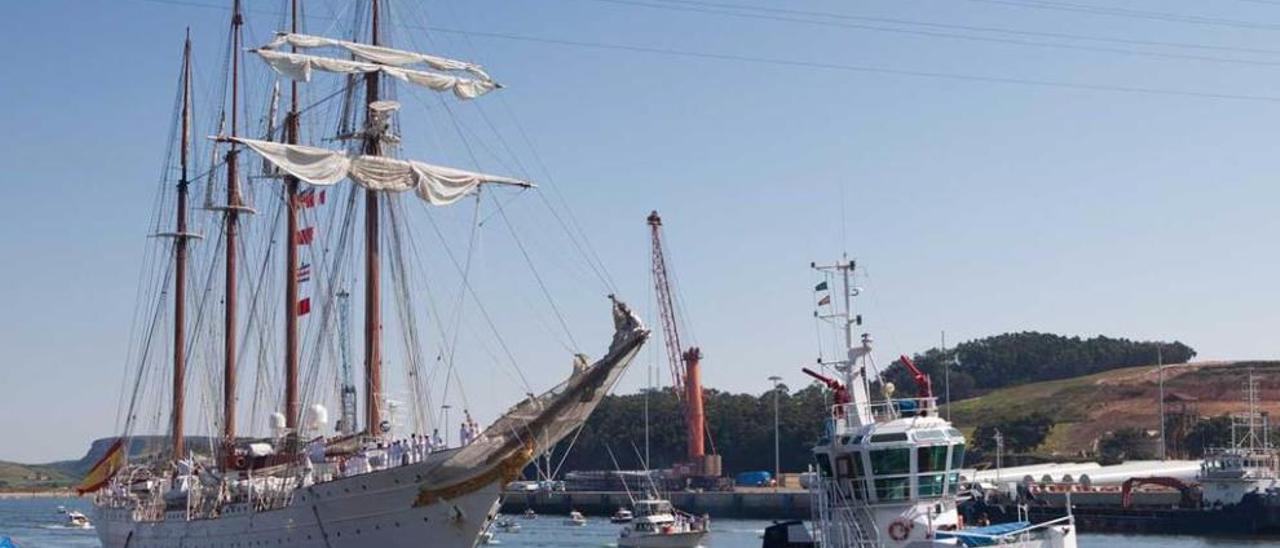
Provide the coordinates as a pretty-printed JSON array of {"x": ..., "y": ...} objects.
[
  {"x": 376, "y": 509},
  {"x": 674, "y": 540},
  {"x": 445, "y": 501}
]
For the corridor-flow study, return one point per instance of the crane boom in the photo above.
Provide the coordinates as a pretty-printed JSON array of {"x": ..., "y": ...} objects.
[
  {"x": 685, "y": 377},
  {"x": 666, "y": 307}
]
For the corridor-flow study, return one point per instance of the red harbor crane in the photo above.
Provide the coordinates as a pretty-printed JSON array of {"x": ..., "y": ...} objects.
[{"x": 686, "y": 380}]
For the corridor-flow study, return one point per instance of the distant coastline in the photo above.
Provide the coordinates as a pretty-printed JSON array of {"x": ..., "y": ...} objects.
[{"x": 36, "y": 493}]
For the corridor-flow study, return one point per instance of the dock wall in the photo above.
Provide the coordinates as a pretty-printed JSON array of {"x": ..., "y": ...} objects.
[{"x": 791, "y": 504}]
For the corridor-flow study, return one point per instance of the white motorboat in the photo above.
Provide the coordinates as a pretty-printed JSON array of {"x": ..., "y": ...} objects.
[
  {"x": 657, "y": 524},
  {"x": 623, "y": 515},
  {"x": 78, "y": 520},
  {"x": 575, "y": 519},
  {"x": 530, "y": 514}
]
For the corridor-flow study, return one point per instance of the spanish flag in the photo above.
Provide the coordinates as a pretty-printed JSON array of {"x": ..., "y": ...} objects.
[{"x": 110, "y": 463}]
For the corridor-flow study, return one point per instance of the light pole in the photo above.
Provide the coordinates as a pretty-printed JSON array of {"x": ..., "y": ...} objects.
[
  {"x": 1160, "y": 370},
  {"x": 777, "y": 461},
  {"x": 446, "y": 407}
]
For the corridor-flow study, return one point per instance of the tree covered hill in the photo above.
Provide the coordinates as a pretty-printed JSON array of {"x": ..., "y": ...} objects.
[{"x": 1012, "y": 359}]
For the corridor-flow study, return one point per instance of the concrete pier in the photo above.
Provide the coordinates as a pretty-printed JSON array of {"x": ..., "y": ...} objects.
[{"x": 755, "y": 504}]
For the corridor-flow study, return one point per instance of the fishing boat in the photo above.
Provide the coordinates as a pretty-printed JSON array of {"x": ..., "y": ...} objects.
[
  {"x": 529, "y": 514},
  {"x": 889, "y": 466},
  {"x": 658, "y": 524},
  {"x": 575, "y": 519},
  {"x": 379, "y": 479},
  {"x": 623, "y": 515}
]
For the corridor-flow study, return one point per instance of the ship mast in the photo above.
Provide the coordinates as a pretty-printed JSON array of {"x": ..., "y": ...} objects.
[
  {"x": 291, "y": 257},
  {"x": 372, "y": 289},
  {"x": 231, "y": 220},
  {"x": 180, "y": 262}
]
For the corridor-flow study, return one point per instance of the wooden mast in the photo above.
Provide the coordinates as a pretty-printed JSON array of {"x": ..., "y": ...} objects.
[
  {"x": 180, "y": 263},
  {"x": 372, "y": 290},
  {"x": 231, "y": 218},
  {"x": 291, "y": 258}
]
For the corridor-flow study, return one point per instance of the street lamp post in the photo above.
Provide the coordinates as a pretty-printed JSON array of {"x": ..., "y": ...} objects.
[{"x": 777, "y": 461}]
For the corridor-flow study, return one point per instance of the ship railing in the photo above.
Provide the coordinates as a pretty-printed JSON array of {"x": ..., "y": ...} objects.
[
  {"x": 841, "y": 520},
  {"x": 1025, "y": 532},
  {"x": 883, "y": 411}
]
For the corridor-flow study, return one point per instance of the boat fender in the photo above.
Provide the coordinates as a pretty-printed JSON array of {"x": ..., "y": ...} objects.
[{"x": 900, "y": 529}]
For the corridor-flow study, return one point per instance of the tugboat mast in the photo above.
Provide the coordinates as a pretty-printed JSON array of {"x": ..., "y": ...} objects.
[{"x": 853, "y": 367}]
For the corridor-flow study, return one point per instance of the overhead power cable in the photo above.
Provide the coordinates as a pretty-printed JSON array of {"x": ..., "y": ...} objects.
[
  {"x": 971, "y": 28},
  {"x": 1133, "y": 14},
  {"x": 957, "y": 76}
]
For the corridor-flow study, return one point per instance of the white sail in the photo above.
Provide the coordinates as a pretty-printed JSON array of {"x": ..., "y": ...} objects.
[
  {"x": 377, "y": 54},
  {"x": 299, "y": 67},
  {"x": 438, "y": 185}
]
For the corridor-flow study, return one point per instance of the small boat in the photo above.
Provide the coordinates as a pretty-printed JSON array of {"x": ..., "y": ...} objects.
[
  {"x": 657, "y": 524},
  {"x": 62, "y": 509},
  {"x": 78, "y": 520},
  {"x": 575, "y": 519},
  {"x": 486, "y": 537},
  {"x": 622, "y": 516},
  {"x": 507, "y": 525},
  {"x": 530, "y": 514}
]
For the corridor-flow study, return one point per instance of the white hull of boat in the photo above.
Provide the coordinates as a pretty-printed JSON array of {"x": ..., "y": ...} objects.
[
  {"x": 376, "y": 509},
  {"x": 674, "y": 540}
]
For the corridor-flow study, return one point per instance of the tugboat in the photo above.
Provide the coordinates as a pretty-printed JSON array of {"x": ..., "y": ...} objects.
[
  {"x": 888, "y": 469},
  {"x": 658, "y": 524}
]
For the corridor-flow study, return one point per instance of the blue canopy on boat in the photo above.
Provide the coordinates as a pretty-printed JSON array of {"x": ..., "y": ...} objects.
[{"x": 984, "y": 536}]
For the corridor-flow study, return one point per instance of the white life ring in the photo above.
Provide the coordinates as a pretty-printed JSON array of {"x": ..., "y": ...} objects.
[{"x": 900, "y": 529}]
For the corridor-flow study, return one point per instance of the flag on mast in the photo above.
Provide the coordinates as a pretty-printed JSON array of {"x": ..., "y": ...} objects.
[
  {"x": 304, "y": 306},
  {"x": 304, "y": 272},
  {"x": 305, "y": 236},
  {"x": 309, "y": 197},
  {"x": 106, "y": 467},
  {"x": 826, "y": 300}
]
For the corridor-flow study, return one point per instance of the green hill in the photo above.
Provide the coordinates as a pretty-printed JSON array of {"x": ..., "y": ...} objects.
[{"x": 1085, "y": 410}]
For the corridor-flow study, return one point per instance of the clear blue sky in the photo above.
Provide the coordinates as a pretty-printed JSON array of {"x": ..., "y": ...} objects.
[{"x": 979, "y": 206}]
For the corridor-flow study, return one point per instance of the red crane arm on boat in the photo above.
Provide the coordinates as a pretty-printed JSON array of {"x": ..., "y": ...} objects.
[
  {"x": 923, "y": 385},
  {"x": 841, "y": 393}
]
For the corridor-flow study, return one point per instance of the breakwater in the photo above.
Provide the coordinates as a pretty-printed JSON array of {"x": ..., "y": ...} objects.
[{"x": 782, "y": 504}]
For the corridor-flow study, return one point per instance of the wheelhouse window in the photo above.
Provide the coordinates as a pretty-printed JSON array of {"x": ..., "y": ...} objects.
[
  {"x": 888, "y": 462},
  {"x": 957, "y": 456},
  {"x": 932, "y": 459},
  {"x": 824, "y": 465},
  {"x": 931, "y": 485},
  {"x": 891, "y": 489}
]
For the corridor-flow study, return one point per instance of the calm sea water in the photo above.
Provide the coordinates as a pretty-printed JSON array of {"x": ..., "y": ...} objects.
[{"x": 36, "y": 522}]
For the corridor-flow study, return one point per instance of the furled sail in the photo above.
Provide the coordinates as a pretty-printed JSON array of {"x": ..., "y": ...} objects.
[
  {"x": 438, "y": 185},
  {"x": 299, "y": 67},
  {"x": 377, "y": 54}
]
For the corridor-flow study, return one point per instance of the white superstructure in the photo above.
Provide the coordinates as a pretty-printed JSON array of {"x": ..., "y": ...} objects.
[{"x": 889, "y": 469}]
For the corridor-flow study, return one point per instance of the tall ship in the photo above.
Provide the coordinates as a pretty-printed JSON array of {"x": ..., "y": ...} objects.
[
  {"x": 889, "y": 466},
  {"x": 299, "y": 206}
]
